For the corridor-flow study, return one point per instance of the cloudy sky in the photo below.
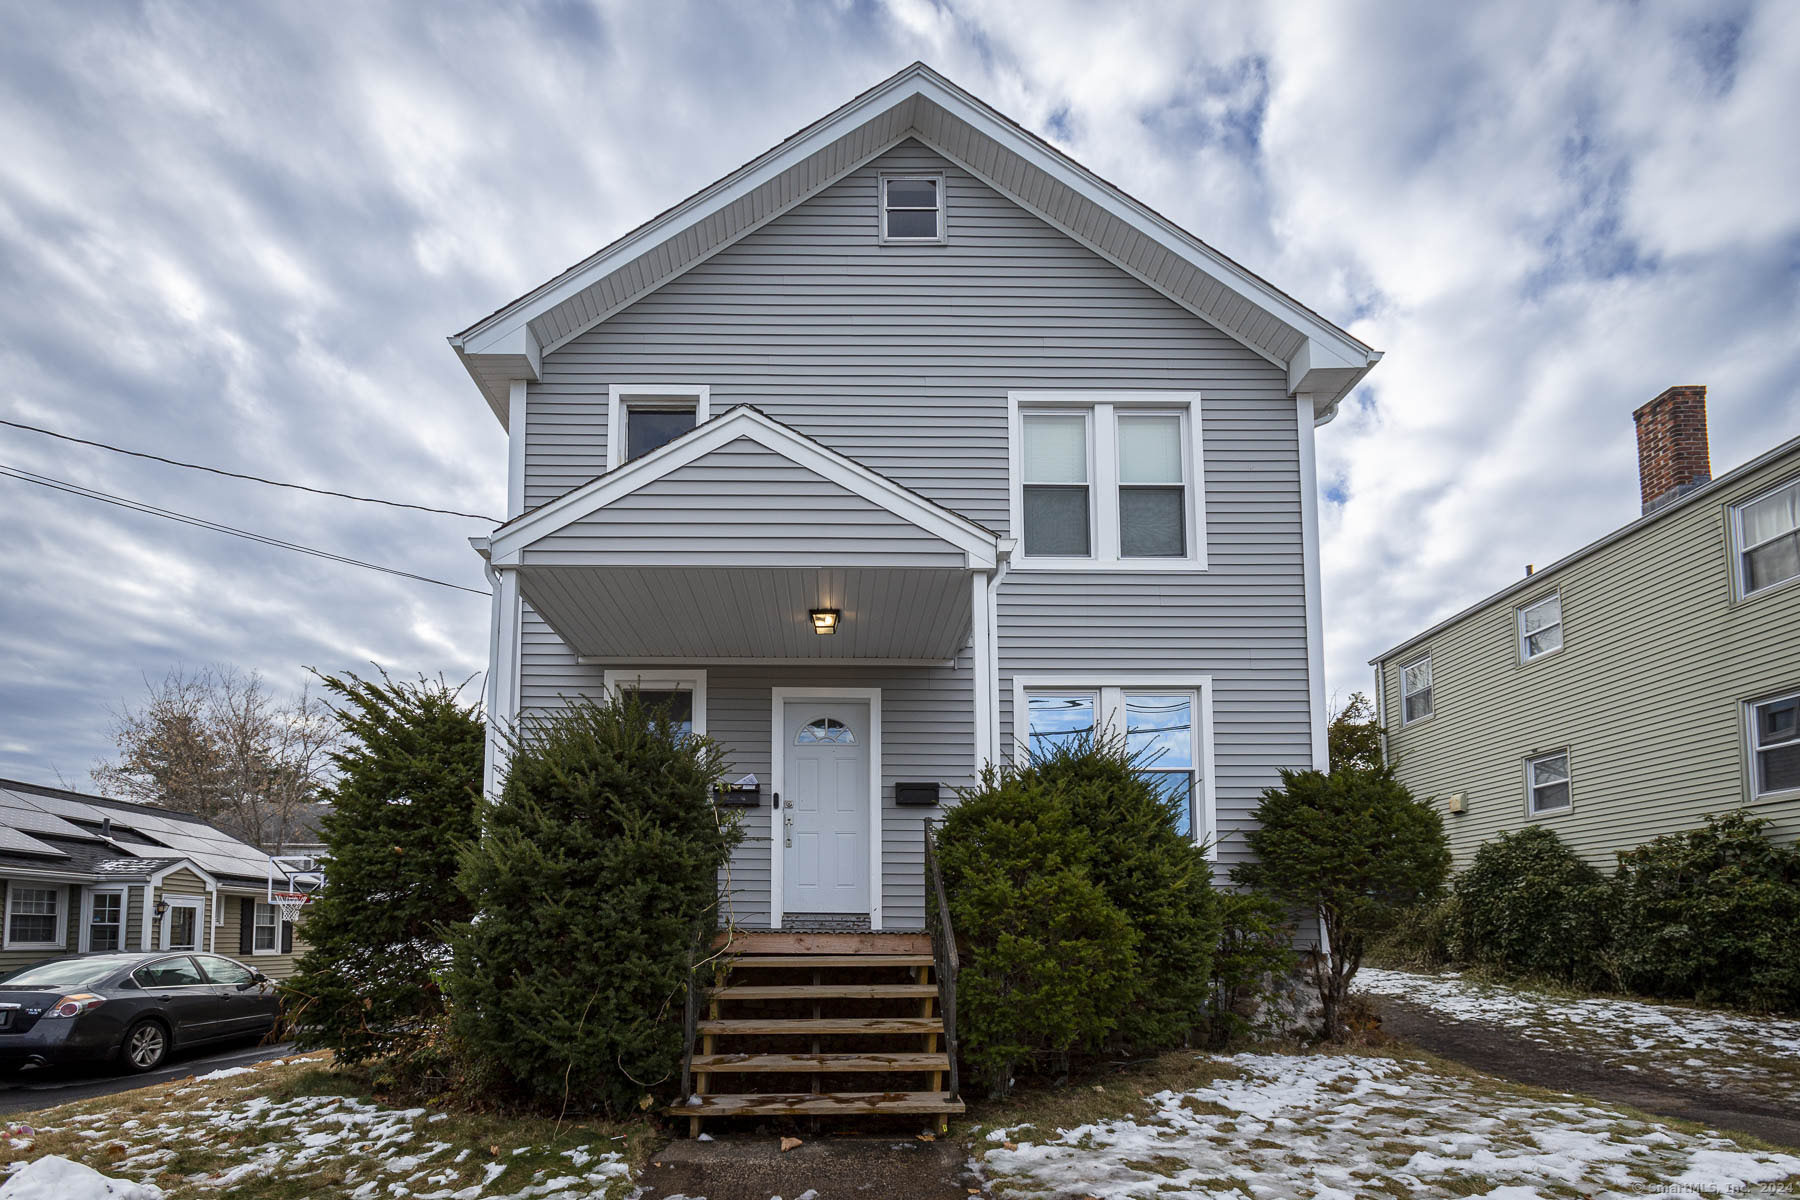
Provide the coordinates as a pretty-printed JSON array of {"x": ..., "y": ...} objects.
[{"x": 239, "y": 234}]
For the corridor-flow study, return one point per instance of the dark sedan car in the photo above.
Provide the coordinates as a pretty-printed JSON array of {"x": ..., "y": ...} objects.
[{"x": 133, "y": 1007}]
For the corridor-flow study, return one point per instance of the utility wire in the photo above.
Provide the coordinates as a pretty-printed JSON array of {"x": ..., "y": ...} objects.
[
  {"x": 299, "y": 487},
  {"x": 75, "y": 489}
]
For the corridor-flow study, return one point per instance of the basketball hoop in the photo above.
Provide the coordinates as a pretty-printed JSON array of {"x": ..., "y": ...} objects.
[{"x": 291, "y": 904}]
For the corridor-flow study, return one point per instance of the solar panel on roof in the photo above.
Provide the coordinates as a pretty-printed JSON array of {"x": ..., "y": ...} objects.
[
  {"x": 18, "y": 812},
  {"x": 23, "y": 843}
]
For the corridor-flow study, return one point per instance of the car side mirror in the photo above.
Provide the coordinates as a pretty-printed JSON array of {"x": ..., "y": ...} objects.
[{"x": 257, "y": 977}]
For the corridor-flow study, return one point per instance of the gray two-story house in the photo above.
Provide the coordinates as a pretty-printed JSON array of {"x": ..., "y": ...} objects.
[
  {"x": 1633, "y": 687},
  {"x": 905, "y": 444}
]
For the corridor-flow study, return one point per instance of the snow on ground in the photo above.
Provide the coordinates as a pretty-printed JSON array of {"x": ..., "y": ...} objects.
[
  {"x": 1700, "y": 1047},
  {"x": 53, "y": 1178},
  {"x": 1338, "y": 1127}
]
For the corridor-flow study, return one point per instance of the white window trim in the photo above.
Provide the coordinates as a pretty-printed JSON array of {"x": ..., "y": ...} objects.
[
  {"x": 1103, "y": 477},
  {"x": 1404, "y": 667},
  {"x": 1750, "y": 746},
  {"x": 619, "y": 397},
  {"x": 662, "y": 679},
  {"x": 881, "y": 209},
  {"x": 1531, "y": 809},
  {"x": 62, "y": 916},
  {"x": 1555, "y": 594},
  {"x": 778, "y": 700},
  {"x": 87, "y": 915},
  {"x": 1110, "y": 692},
  {"x": 198, "y": 905},
  {"x": 257, "y": 908},
  {"x": 1739, "y": 550}
]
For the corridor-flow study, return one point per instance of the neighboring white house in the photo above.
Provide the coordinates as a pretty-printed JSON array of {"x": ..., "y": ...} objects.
[{"x": 907, "y": 442}]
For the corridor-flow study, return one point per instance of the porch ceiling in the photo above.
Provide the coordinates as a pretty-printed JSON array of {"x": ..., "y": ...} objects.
[{"x": 635, "y": 613}]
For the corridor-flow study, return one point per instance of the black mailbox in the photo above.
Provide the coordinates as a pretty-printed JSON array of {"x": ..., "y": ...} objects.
[
  {"x": 915, "y": 795},
  {"x": 737, "y": 795}
]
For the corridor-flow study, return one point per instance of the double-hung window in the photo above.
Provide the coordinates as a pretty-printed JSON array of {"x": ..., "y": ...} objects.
[
  {"x": 912, "y": 209},
  {"x": 646, "y": 417},
  {"x": 1160, "y": 725},
  {"x": 34, "y": 917},
  {"x": 681, "y": 696},
  {"x": 1775, "y": 745},
  {"x": 1415, "y": 690},
  {"x": 1540, "y": 627},
  {"x": 105, "y": 929},
  {"x": 1547, "y": 782},
  {"x": 1768, "y": 539},
  {"x": 1107, "y": 479},
  {"x": 265, "y": 931}
]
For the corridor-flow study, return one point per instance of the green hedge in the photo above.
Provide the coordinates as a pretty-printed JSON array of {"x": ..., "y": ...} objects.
[{"x": 1528, "y": 905}]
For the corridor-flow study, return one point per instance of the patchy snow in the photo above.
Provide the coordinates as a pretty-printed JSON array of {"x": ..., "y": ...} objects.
[
  {"x": 1700, "y": 1047},
  {"x": 53, "y": 1178},
  {"x": 1341, "y": 1126},
  {"x": 225, "y": 1073}
]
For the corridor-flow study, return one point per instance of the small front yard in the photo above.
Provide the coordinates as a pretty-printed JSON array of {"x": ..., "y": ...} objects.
[
  {"x": 292, "y": 1129},
  {"x": 1337, "y": 1126},
  {"x": 1699, "y": 1048}
]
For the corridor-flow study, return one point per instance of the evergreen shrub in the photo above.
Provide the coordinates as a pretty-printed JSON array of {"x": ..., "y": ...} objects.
[
  {"x": 1256, "y": 952},
  {"x": 1528, "y": 905}
]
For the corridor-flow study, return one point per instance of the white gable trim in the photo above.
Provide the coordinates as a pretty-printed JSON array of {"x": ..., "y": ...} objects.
[
  {"x": 1328, "y": 361},
  {"x": 510, "y": 540}
]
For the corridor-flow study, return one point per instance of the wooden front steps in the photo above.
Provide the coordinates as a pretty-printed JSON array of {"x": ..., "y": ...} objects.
[{"x": 795, "y": 1022}]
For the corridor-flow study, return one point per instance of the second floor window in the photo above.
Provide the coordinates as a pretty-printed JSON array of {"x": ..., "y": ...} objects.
[
  {"x": 648, "y": 417},
  {"x": 1540, "y": 627},
  {"x": 1108, "y": 483},
  {"x": 912, "y": 208},
  {"x": 1775, "y": 745},
  {"x": 1415, "y": 690},
  {"x": 1768, "y": 539}
]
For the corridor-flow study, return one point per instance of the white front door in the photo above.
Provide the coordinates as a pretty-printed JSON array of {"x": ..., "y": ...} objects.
[
  {"x": 825, "y": 806},
  {"x": 181, "y": 924}
]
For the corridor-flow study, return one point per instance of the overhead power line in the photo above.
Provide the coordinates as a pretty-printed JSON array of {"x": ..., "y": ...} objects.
[
  {"x": 298, "y": 487},
  {"x": 76, "y": 489}
]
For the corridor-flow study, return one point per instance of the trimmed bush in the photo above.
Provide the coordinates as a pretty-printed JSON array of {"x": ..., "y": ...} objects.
[
  {"x": 1256, "y": 952},
  {"x": 1528, "y": 905},
  {"x": 1353, "y": 847},
  {"x": 402, "y": 807},
  {"x": 597, "y": 865},
  {"x": 1051, "y": 961},
  {"x": 1154, "y": 874},
  {"x": 1712, "y": 914}
]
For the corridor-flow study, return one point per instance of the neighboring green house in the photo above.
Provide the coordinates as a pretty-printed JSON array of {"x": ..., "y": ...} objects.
[
  {"x": 1637, "y": 685},
  {"x": 84, "y": 874}
]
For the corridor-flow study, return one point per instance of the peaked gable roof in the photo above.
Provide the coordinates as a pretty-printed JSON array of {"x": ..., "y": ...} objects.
[
  {"x": 1320, "y": 358},
  {"x": 980, "y": 546}
]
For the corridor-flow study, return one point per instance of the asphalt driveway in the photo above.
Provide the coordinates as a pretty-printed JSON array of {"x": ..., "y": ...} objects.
[{"x": 46, "y": 1087}]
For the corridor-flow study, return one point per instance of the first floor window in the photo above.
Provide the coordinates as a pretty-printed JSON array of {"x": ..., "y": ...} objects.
[
  {"x": 106, "y": 921},
  {"x": 1159, "y": 729},
  {"x": 33, "y": 915},
  {"x": 1775, "y": 744},
  {"x": 1768, "y": 530},
  {"x": 1547, "y": 780},
  {"x": 1415, "y": 690},
  {"x": 1540, "y": 627},
  {"x": 266, "y": 934},
  {"x": 681, "y": 698}
]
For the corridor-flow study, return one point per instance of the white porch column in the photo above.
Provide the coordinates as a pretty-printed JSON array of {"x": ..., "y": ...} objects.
[
  {"x": 1315, "y": 612},
  {"x": 503, "y": 675},
  {"x": 981, "y": 651}
]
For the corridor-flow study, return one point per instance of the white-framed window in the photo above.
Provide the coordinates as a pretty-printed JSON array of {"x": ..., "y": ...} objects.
[
  {"x": 34, "y": 916},
  {"x": 265, "y": 929},
  {"x": 1767, "y": 535},
  {"x": 642, "y": 417},
  {"x": 1540, "y": 627},
  {"x": 103, "y": 921},
  {"x": 1166, "y": 724},
  {"x": 1415, "y": 690},
  {"x": 912, "y": 209},
  {"x": 1107, "y": 480},
  {"x": 1547, "y": 783},
  {"x": 1775, "y": 745},
  {"x": 681, "y": 693}
]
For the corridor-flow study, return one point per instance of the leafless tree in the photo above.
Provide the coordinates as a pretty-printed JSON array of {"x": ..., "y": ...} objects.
[{"x": 218, "y": 743}]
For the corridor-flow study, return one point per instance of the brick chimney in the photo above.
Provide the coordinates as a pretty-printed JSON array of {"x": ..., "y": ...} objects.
[{"x": 1673, "y": 457}]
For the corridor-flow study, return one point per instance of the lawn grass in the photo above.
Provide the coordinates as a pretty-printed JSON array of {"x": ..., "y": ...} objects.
[{"x": 303, "y": 1129}]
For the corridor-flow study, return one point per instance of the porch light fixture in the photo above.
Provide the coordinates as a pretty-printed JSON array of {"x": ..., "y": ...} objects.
[
  {"x": 825, "y": 620},
  {"x": 162, "y": 908}
]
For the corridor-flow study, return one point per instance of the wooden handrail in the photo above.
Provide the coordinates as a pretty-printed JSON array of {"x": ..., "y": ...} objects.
[{"x": 943, "y": 948}]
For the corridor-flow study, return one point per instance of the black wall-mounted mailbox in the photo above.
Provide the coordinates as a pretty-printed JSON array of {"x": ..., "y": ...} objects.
[
  {"x": 734, "y": 795},
  {"x": 915, "y": 795}
]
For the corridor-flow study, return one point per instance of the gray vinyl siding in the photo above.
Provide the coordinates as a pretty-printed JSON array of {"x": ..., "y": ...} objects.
[
  {"x": 743, "y": 505},
  {"x": 901, "y": 357},
  {"x": 1647, "y": 693}
]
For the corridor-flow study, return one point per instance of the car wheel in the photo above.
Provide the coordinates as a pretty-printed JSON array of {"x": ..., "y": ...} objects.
[{"x": 146, "y": 1045}]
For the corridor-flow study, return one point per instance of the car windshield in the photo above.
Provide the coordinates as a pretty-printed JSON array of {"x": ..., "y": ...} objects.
[{"x": 65, "y": 973}]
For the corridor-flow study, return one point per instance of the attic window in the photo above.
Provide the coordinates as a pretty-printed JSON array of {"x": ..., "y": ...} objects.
[
  {"x": 646, "y": 417},
  {"x": 912, "y": 209}
]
